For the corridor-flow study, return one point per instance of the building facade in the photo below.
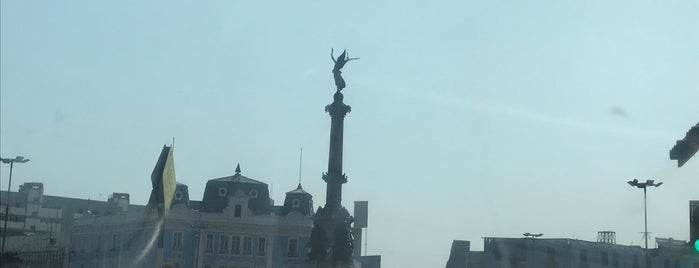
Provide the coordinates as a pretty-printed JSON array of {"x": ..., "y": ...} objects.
[
  {"x": 235, "y": 225},
  {"x": 566, "y": 253},
  {"x": 33, "y": 213},
  {"x": 39, "y": 226}
]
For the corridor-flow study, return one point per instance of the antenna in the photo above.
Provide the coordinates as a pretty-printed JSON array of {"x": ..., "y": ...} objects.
[{"x": 300, "y": 164}]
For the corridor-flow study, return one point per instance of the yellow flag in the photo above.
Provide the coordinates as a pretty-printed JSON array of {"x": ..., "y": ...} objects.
[
  {"x": 169, "y": 180},
  {"x": 163, "y": 179}
]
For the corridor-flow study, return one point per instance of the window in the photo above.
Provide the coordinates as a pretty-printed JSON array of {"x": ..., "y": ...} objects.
[
  {"x": 247, "y": 245},
  {"x": 615, "y": 259},
  {"x": 583, "y": 256},
  {"x": 99, "y": 244},
  {"x": 235, "y": 244},
  {"x": 209, "y": 243},
  {"x": 293, "y": 250},
  {"x": 261, "y": 246},
  {"x": 521, "y": 252},
  {"x": 223, "y": 244},
  {"x": 78, "y": 244},
  {"x": 550, "y": 258},
  {"x": 635, "y": 261},
  {"x": 496, "y": 252},
  {"x": 605, "y": 258},
  {"x": 238, "y": 209},
  {"x": 176, "y": 241},
  {"x": 129, "y": 242},
  {"x": 115, "y": 242},
  {"x": 222, "y": 191},
  {"x": 667, "y": 263}
]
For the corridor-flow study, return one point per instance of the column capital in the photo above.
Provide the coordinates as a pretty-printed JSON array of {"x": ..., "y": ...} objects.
[
  {"x": 338, "y": 108},
  {"x": 332, "y": 177}
]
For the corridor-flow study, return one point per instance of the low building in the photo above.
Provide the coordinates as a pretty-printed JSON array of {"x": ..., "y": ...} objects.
[
  {"x": 461, "y": 256},
  {"x": 566, "y": 253},
  {"x": 559, "y": 252},
  {"x": 39, "y": 226}
]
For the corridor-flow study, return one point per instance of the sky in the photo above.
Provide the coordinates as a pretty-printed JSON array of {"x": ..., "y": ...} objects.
[{"x": 469, "y": 119}]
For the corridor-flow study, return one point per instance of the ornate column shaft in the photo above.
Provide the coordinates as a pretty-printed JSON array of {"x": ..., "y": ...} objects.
[{"x": 334, "y": 177}]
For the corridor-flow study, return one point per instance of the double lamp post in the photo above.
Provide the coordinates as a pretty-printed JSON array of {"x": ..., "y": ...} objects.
[
  {"x": 644, "y": 186},
  {"x": 11, "y": 161}
]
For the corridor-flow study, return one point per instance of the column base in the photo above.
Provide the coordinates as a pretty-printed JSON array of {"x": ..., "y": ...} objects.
[{"x": 331, "y": 264}]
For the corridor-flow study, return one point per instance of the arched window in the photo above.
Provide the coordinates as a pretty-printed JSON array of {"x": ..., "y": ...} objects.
[{"x": 237, "y": 211}]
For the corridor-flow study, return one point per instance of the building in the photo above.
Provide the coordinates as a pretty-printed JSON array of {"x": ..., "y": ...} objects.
[
  {"x": 39, "y": 226},
  {"x": 236, "y": 224},
  {"x": 567, "y": 253},
  {"x": 31, "y": 212},
  {"x": 461, "y": 255}
]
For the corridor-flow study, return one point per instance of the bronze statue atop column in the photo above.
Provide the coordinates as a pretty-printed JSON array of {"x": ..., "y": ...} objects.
[{"x": 339, "y": 63}]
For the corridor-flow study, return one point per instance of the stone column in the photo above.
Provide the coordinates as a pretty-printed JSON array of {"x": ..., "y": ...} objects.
[{"x": 331, "y": 238}]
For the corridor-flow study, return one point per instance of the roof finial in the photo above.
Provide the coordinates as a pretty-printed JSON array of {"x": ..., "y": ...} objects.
[
  {"x": 237, "y": 169},
  {"x": 300, "y": 162}
]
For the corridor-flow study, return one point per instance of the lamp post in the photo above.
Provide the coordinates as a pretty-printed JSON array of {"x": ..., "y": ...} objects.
[
  {"x": 532, "y": 235},
  {"x": 18, "y": 159},
  {"x": 533, "y": 247},
  {"x": 644, "y": 186}
]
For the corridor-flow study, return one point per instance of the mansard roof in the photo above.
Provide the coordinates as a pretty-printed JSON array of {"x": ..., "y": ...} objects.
[
  {"x": 238, "y": 178},
  {"x": 298, "y": 190}
]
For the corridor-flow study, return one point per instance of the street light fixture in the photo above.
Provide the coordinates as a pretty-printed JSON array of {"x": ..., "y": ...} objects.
[
  {"x": 532, "y": 235},
  {"x": 644, "y": 186},
  {"x": 533, "y": 248},
  {"x": 17, "y": 159}
]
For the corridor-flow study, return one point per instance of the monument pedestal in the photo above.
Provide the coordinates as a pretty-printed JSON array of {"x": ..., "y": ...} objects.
[{"x": 331, "y": 239}]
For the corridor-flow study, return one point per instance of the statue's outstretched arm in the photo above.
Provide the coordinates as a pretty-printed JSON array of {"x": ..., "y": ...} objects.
[{"x": 347, "y": 58}]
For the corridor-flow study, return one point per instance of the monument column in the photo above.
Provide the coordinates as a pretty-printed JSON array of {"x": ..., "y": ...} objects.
[
  {"x": 334, "y": 177},
  {"x": 331, "y": 237}
]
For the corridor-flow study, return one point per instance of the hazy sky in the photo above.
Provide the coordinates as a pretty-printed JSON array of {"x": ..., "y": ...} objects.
[{"x": 469, "y": 118}]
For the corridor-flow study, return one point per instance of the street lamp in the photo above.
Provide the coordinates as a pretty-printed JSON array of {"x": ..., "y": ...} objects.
[
  {"x": 17, "y": 159},
  {"x": 644, "y": 185},
  {"x": 533, "y": 247},
  {"x": 532, "y": 235}
]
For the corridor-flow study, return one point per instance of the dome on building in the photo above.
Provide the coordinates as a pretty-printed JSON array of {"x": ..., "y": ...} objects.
[
  {"x": 298, "y": 200},
  {"x": 181, "y": 195},
  {"x": 222, "y": 192}
]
